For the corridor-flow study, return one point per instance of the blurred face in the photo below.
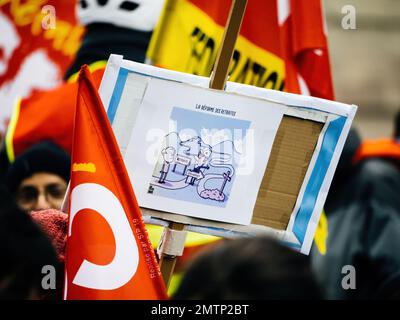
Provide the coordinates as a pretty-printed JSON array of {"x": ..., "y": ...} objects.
[{"x": 41, "y": 191}]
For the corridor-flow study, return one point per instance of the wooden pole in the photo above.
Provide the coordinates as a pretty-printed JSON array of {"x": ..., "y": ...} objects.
[
  {"x": 218, "y": 80},
  {"x": 167, "y": 263},
  {"x": 225, "y": 53}
]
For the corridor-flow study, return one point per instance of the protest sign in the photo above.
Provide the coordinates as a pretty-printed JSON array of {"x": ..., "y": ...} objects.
[
  {"x": 301, "y": 163},
  {"x": 295, "y": 150}
]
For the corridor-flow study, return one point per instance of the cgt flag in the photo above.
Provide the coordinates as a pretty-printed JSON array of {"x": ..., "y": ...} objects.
[
  {"x": 282, "y": 43},
  {"x": 109, "y": 255}
]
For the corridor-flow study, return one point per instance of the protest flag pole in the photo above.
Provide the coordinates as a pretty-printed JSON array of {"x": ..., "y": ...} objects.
[
  {"x": 218, "y": 80},
  {"x": 225, "y": 53},
  {"x": 175, "y": 249}
]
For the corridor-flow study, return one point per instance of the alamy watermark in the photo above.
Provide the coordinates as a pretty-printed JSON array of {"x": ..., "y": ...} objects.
[
  {"x": 241, "y": 152},
  {"x": 49, "y": 278},
  {"x": 349, "y": 21},
  {"x": 349, "y": 279},
  {"x": 49, "y": 18}
]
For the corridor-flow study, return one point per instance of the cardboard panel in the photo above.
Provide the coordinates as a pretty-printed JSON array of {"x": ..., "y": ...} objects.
[{"x": 291, "y": 154}]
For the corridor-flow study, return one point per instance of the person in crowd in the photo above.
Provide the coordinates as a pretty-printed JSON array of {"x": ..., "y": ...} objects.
[
  {"x": 357, "y": 244},
  {"x": 249, "y": 268},
  {"x": 39, "y": 177},
  {"x": 25, "y": 250},
  {"x": 111, "y": 27},
  {"x": 54, "y": 224}
]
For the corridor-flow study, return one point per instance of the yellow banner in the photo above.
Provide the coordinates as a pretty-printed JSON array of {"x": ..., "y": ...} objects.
[{"x": 187, "y": 40}]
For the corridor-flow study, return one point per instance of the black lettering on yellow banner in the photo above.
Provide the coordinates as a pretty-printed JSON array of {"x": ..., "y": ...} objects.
[{"x": 190, "y": 43}]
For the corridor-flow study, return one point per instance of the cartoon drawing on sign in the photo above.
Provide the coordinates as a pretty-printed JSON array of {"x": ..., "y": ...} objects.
[
  {"x": 199, "y": 166},
  {"x": 201, "y": 163},
  {"x": 168, "y": 156}
]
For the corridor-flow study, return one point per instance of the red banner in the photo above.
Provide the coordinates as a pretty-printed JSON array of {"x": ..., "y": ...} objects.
[
  {"x": 109, "y": 255},
  {"x": 39, "y": 39}
]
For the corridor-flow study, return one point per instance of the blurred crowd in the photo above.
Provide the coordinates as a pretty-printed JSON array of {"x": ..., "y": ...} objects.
[{"x": 360, "y": 225}]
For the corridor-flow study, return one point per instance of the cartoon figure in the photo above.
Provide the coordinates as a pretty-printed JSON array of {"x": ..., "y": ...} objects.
[
  {"x": 201, "y": 162},
  {"x": 169, "y": 157},
  {"x": 227, "y": 177}
]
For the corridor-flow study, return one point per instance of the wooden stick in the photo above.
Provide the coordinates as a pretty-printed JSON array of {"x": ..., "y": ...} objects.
[
  {"x": 167, "y": 263},
  {"x": 218, "y": 80},
  {"x": 225, "y": 53}
]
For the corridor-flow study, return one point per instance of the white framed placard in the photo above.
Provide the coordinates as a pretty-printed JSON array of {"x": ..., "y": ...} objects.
[{"x": 170, "y": 127}]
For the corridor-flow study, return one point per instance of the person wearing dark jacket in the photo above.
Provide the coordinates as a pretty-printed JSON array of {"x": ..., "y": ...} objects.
[
  {"x": 118, "y": 27},
  {"x": 254, "y": 268},
  {"x": 357, "y": 247},
  {"x": 25, "y": 251}
]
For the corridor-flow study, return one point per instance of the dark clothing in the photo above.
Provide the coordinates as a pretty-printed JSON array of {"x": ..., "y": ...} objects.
[
  {"x": 4, "y": 163},
  {"x": 25, "y": 250},
  {"x": 102, "y": 39},
  {"x": 363, "y": 215},
  {"x": 198, "y": 169}
]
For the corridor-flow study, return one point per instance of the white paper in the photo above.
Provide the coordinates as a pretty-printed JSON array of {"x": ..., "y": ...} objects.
[{"x": 200, "y": 152}]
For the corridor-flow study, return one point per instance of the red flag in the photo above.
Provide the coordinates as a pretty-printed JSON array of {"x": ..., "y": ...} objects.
[
  {"x": 109, "y": 255},
  {"x": 39, "y": 40},
  {"x": 304, "y": 47}
]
